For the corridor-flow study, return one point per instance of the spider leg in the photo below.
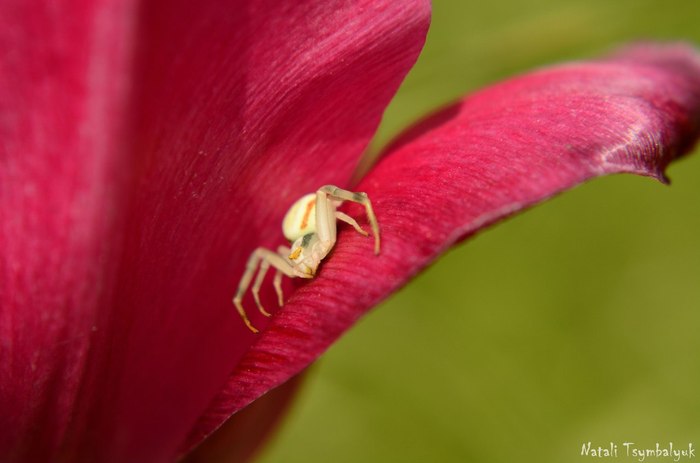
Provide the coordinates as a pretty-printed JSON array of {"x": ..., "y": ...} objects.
[
  {"x": 335, "y": 193},
  {"x": 277, "y": 282},
  {"x": 326, "y": 228},
  {"x": 264, "y": 258},
  {"x": 262, "y": 271},
  {"x": 349, "y": 220}
]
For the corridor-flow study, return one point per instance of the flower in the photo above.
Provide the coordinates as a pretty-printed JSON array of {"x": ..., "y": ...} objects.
[{"x": 148, "y": 148}]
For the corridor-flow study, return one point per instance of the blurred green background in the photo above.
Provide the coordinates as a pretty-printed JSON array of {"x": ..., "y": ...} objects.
[{"x": 576, "y": 321}]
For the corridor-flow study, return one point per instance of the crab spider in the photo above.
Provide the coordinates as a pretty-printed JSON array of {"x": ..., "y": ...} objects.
[{"x": 310, "y": 225}]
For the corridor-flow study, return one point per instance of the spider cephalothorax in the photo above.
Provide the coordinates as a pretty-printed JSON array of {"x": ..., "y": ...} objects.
[{"x": 310, "y": 225}]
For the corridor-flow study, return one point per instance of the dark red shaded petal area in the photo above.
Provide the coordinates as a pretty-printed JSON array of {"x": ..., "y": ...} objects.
[
  {"x": 493, "y": 154},
  {"x": 244, "y": 434},
  {"x": 147, "y": 148}
]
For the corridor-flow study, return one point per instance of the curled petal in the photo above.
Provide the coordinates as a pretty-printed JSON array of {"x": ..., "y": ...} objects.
[{"x": 489, "y": 156}]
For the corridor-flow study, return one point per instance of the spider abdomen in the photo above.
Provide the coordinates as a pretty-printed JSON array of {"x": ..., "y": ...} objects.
[{"x": 301, "y": 218}]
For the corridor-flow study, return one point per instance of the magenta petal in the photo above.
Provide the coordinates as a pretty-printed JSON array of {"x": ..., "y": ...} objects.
[
  {"x": 246, "y": 111},
  {"x": 146, "y": 148},
  {"x": 493, "y": 154},
  {"x": 63, "y": 77}
]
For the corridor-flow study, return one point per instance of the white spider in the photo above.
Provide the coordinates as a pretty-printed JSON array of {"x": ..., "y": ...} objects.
[{"x": 311, "y": 228}]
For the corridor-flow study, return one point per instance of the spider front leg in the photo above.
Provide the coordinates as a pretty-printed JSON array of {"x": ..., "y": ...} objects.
[
  {"x": 261, "y": 258},
  {"x": 350, "y": 221},
  {"x": 326, "y": 213}
]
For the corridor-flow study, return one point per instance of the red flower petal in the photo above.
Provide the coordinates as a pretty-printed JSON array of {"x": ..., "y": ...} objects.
[
  {"x": 493, "y": 154},
  {"x": 244, "y": 434},
  {"x": 63, "y": 77},
  {"x": 132, "y": 194}
]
